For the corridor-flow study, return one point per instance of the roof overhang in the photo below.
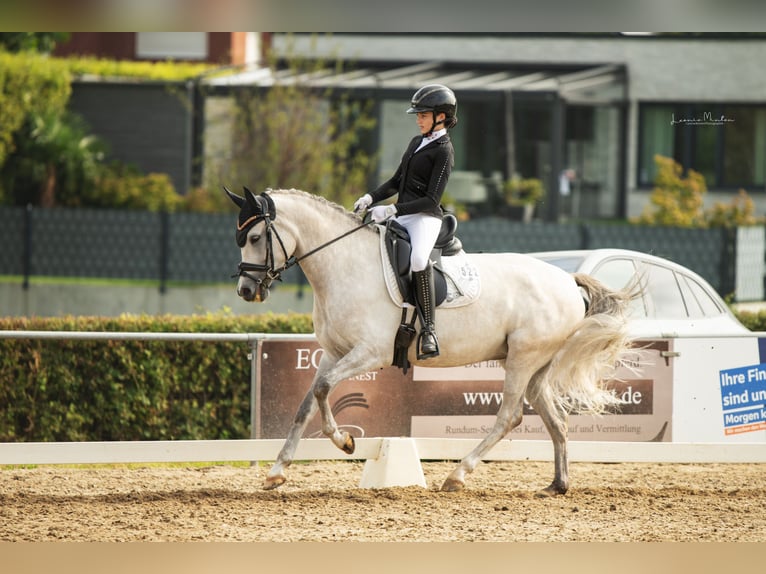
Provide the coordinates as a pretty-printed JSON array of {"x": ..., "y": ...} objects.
[{"x": 588, "y": 83}]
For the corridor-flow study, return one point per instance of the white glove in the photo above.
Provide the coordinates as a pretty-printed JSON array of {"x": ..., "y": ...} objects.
[
  {"x": 363, "y": 203},
  {"x": 382, "y": 212}
]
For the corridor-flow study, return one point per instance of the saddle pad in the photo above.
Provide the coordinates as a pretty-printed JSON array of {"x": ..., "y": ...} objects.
[{"x": 463, "y": 282}]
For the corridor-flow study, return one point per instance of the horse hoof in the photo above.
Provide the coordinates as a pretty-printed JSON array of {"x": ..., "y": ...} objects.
[
  {"x": 453, "y": 485},
  {"x": 552, "y": 490},
  {"x": 349, "y": 445},
  {"x": 273, "y": 482}
]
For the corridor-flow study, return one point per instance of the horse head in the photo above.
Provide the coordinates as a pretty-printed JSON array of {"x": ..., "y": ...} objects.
[{"x": 261, "y": 263}]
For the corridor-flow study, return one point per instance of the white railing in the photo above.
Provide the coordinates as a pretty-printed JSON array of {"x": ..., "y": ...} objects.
[
  {"x": 117, "y": 452},
  {"x": 370, "y": 449}
]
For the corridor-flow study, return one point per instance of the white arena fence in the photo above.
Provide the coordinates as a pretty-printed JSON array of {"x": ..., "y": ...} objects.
[{"x": 387, "y": 453}]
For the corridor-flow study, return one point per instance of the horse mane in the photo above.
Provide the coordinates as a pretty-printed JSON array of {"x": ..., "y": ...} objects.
[{"x": 352, "y": 217}]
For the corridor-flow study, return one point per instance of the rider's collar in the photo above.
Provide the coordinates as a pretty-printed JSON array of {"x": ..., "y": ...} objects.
[
  {"x": 430, "y": 138},
  {"x": 435, "y": 135}
]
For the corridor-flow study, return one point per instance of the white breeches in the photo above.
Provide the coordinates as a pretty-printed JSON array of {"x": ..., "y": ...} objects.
[{"x": 424, "y": 231}]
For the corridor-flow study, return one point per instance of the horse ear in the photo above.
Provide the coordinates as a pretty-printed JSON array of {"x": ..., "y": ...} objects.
[
  {"x": 250, "y": 196},
  {"x": 240, "y": 201}
]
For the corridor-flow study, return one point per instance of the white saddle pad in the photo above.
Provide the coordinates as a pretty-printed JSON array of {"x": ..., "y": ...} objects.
[{"x": 463, "y": 282}]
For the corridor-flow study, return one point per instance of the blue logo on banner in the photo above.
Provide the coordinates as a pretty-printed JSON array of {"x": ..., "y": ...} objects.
[{"x": 743, "y": 398}]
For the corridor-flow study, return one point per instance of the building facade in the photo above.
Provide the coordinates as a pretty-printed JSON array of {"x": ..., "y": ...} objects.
[{"x": 699, "y": 99}]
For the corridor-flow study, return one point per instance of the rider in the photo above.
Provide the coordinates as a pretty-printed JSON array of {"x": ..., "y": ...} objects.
[{"x": 420, "y": 180}]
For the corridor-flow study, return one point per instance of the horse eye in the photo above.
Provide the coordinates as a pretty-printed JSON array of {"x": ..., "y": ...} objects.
[{"x": 254, "y": 239}]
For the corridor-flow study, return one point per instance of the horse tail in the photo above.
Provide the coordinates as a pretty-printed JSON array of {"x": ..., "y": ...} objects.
[{"x": 580, "y": 369}]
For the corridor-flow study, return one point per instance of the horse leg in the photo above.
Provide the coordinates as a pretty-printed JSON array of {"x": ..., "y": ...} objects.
[
  {"x": 508, "y": 417},
  {"x": 556, "y": 421},
  {"x": 306, "y": 411},
  {"x": 329, "y": 373},
  {"x": 359, "y": 360}
]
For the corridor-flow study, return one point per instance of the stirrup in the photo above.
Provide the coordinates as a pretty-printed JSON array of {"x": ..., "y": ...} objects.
[{"x": 421, "y": 353}]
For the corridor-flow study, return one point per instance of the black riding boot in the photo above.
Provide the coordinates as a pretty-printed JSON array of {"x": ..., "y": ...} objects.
[{"x": 427, "y": 345}]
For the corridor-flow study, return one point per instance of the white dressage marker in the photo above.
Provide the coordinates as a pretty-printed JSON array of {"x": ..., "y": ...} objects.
[{"x": 397, "y": 464}]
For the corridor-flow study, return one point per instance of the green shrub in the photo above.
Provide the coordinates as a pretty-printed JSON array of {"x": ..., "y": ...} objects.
[
  {"x": 204, "y": 200},
  {"x": 753, "y": 320},
  {"x": 679, "y": 201},
  {"x": 29, "y": 84},
  {"x": 740, "y": 211},
  {"x": 520, "y": 191},
  {"x": 676, "y": 200},
  {"x": 121, "y": 187},
  {"x": 68, "y": 390}
]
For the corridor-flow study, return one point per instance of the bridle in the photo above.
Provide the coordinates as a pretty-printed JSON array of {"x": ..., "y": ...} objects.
[
  {"x": 244, "y": 268},
  {"x": 267, "y": 212}
]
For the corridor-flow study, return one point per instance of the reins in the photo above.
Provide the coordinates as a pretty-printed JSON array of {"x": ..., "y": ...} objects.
[
  {"x": 273, "y": 273},
  {"x": 302, "y": 257}
]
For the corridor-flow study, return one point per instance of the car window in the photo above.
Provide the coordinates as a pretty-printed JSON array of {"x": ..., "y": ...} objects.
[
  {"x": 617, "y": 274},
  {"x": 663, "y": 289},
  {"x": 709, "y": 306},
  {"x": 692, "y": 302},
  {"x": 570, "y": 264}
]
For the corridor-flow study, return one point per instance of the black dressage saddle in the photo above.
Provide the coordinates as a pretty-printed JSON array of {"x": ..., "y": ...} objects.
[{"x": 398, "y": 247}]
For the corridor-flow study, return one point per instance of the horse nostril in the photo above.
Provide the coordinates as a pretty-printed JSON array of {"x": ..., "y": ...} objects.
[{"x": 245, "y": 293}]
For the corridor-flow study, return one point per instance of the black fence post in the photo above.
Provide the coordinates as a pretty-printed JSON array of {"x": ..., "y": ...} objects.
[
  {"x": 164, "y": 249},
  {"x": 26, "y": 258}
]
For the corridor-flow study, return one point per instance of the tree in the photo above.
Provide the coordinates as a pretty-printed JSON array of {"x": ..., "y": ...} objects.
[
  {"x": 31, "y": 41},
  {"x": 294, "y": 136},
  {"x": 29, "y": 84},
  {"x": 55, "y": 161}
]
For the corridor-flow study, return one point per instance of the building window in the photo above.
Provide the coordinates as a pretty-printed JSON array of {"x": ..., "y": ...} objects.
[
  {"x": 176, "y": 45},
  {"x": 726, "y": 143},
  {"x": 592, "y": 155}
]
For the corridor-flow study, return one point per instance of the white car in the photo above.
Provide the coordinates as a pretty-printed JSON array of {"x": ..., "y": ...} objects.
[{"x": 676, "y": 301}]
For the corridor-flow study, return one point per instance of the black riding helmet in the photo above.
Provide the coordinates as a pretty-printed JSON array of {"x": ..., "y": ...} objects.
[{"x": 435, "y": 98}]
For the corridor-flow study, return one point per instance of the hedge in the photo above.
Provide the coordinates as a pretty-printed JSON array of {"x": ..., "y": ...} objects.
[
  {"x": 65, "y": 390},
  {"x": 753, "y": 320},
  {"x": 167, "y": 71}
]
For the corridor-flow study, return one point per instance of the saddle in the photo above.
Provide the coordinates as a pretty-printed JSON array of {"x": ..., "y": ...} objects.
[{"x": 398, "y": 247}]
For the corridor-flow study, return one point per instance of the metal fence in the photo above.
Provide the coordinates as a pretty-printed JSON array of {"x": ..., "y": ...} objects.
[{"x": 194, "y": 247}]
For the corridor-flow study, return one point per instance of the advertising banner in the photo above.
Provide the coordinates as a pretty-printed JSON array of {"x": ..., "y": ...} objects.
[
  {"x": 720, "y": 390},
  {"x": 456, "y": 402},
  {"x": 743, "y": 399}
]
